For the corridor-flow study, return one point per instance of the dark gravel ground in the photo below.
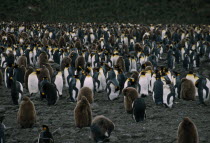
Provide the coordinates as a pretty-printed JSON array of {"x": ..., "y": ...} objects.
[{"x": 159, "y": 127}]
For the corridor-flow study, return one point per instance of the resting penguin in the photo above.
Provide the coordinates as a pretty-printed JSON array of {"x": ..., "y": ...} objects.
[
  {"x": 45, "y": 136},
  {"x": 29, "y": 70},
  {"x": 82, "y": 113},
  {"x": 187, "y": 132},
  {"x": 33, "y": 82},
  {"x": 168, "y": 96},
  {"x": 87, "y": 92},
  {"x": 187, "y": 89},
  {"x": 101, "y": 128},
  {"x": 74, "y": 87},
  {"x": 1, "y": 77},
  {"x": 26, "y": 116},
  {"x": 16, "y": 91},
  {"x": 52, "y": 95},
  {"x": 8, "y": 73},
  {"x": 139, "y": 109},
  {"x": 59, "y": 82},
  {"x": 130, "y": 94},
  {"x": 203, "y": 85},
  {"x": 144, "y": 84}
]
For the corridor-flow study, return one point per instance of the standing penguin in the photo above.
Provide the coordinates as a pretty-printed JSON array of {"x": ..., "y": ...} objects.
[
  {"x": 59, "y": 82},
  {"x": 8, "y": 74},
  {"x": 45, "y": 136},
  {"x": 144, "y": 84},
  {"x": 112, "y": 87},
  {"x": 130, "y": 94},
  {"x": 187, "y": 89},
  {"x": 168, "y": 96},
  {"x": 82, "y": 113},
  {"x": 16, "y": 91},
  {"x": 139, "y": 109},
  {"x": 74, "y": 87},
  {"x": 20, "y": 73},
  {"x": 158, "y": 91},
  {"x": 88, "y": 82},
  {"x": 26, "y": 116},
  {"x": 101, "y": 128},
  {"x": 203, "y": 85},
  {"x": 33, "y": 82},
  {"x": 177, "y": 85},
  {"x": 1, "y": 77},
  {"x": 29, "y": 70},
  {"x": 187, "y": 132}
]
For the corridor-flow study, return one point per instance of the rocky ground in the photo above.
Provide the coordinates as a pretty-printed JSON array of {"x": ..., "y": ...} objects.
[{"x": 159, "y": 127}]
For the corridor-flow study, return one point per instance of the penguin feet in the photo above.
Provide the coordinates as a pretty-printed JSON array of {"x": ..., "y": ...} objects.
[
  {"x": 69, "y": 99},
  {"x": 202, "y": 103}
]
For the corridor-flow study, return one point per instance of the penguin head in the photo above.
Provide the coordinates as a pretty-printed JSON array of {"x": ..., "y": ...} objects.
[
  {"x": 45, "y": 128},
  {"x": 45, "y": 78},
  {"x": 38, "y": 71},
  {"x": 143, "y": 73}
]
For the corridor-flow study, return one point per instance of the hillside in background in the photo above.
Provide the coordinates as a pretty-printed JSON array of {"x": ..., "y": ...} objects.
[{"x": 135, "y": 11}]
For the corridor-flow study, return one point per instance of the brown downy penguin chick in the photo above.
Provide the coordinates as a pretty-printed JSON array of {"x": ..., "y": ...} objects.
[
  {"x": 43, "y": 59},
  {"x": 148, "y": 63},
  {"x": 61, "y": 42},
  {"x": 48, "y": 66},
  {"x": 82, "y": 113},
  {"x": 44, "y": 72},
  {"x": 29, "y": 70},
  {"x": 87, "y": 92},
  {"x": 80, "y": 62},
  {"x": 148, "y": 68},
  {"x": 187, "y": 132},
  {"x": 101, "y": 128},
  {"x": 1, "y": 77},
  {"x": 121, "y": 63},
  {"x": 65, "y": 61},
  {"x": 26, "y": 116},
  {"x": 22, "y": 60},
  {"x": 187, "y": 89},
  {"x": 130, "y": 94}
]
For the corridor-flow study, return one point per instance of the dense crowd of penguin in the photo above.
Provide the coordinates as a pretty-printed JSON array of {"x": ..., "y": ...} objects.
[{"x": 112, "y": 58}]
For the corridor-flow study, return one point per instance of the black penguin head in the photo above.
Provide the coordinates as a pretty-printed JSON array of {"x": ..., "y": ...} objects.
[
  {"x": 158, "y": 76},
  {"x": 38, "y": 71},
  {"x": 45, "y": 128},
  {"x": 190, "y": 72},
  {"x": 143, "y": 73}
]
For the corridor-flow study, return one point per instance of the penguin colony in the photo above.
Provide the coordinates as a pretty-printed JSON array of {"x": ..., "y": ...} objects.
[{"x": 118, "y": 59}]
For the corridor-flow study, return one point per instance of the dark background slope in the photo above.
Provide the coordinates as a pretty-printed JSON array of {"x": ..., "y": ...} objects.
[{"x": 135, "y": 11}]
